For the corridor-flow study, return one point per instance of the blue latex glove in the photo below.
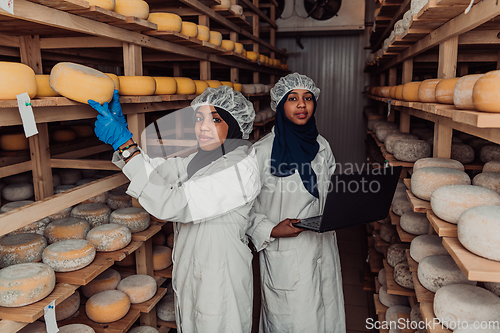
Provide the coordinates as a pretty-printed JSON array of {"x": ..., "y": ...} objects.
[
  {"x": 108, "y": 128},
  {"x": 116, "y": 109}
]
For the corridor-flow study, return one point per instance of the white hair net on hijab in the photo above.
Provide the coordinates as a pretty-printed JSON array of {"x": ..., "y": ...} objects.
[
  {"x": 290, "y": 82},
  {"x": 233, "y": 102}
]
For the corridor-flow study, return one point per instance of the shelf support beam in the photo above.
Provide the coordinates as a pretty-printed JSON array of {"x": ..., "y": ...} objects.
[{"x": 448, "y": 55}]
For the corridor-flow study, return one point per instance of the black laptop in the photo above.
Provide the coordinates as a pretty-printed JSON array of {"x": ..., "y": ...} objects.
[{"x": 355, "y": 198}]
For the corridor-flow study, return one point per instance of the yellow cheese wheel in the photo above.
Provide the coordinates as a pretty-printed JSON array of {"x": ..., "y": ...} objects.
[
  {"x": 21, "y": 248},
  {"x": 252, "y": 55},
  {"x": 68, "y": 307},
  {"x": 136, "y": 219},
  {"x": 81, "y": 83},
  {"x": 237, "y": 86},
  {"x": 66, "y": 228},
  {"x": 385, "y": 92},
  {"x": 200, "y": 86},
  {"x": 227, "y": 44},
  {"x": 107, "y": 280},
  {"x": 410, "y": 91},
  {"x": 162, "y": 257},
  {"x": 189, "y": 29},
  {"x": 238, "y": 48},
  {"x": 62, "y": 135},
  {"x": 213, "y": 83},
  {"x": 392, "y": 92},
  {"x": 94, "y": 213},
  {"x": 215, "y": 38},
  {"x": 165, "y": 85},
  {"x": 109, "y": 237},
  {"x": 107, "y": 306},
  {"x": 185, "y": 86},
  {"x": 43, "y": 87},
  {"x": 139, "y": 288},
  {"x": 166, "y": 21},
  {"x": 69, "y": 255},
  {"x": 118, "y": 199},
  {"x": 16, "y": 79},
  {"x": 227, "y": 83},
  {"x": 486, "y": 94},
  {"x": 137, "y": 85},
  {"x": 170, "y": 241},
  {"x": 444, "y": 90},
  {"x": 12, "y": 142},
  {"x": 262, "y": 58},
  {"x": 115, "y": 79},
  {"x": 224, "y": 4},
  {"x": 203, "y": 33},
  {"x": 25, "y": 284},
  {"x": 106, "y": 4},
  {"x": 244, "y": 53},
  {"x": 137, "y": 8},
  {"x": 462, "y": 94},
  {"x": 427, "y": 91}
]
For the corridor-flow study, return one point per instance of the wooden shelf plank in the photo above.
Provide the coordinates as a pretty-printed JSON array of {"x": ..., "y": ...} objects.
[
  {"x": 119, "y": 255},
  {"x": 64, "y": 4},
  {"x": 428, "y": 316},
  {"x": 418, "y": 205},
  {"x": 412, "y": 263},
  {"x": 379, "y": 240},
  {"x": 392, "y": 287},
  {"x": 143, "y": 236},
  {"x": 405, "y": 317},
  {"x": 376, "y": 225},
  {"x": 477, "y": 118},
  {"x": 407, "y": 182},
  {"x": 83, "y": 276},
  {"x": 167, "y": 272},
  {"x": 379, "y": 307},
  {"x": 375, "y": 260},
  {"x": 170, "y": 324},
  {"x": 394, "y": 218},
  {"x": 149, "y": 305},
  {"x": 403, "y": 235},
  {"x": 10, "y": 326},
  {"x": 442, "y": 228},
  {"x": 423, "y": 295}
]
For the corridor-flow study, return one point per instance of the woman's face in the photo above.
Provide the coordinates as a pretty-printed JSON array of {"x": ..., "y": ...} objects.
[
  {"x": 210, "y": 128},
  {"x": 299, "y": 106}
]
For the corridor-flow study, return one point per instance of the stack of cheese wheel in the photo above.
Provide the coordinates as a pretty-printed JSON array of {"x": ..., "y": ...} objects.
[
  {"x": 189, "y": 29},
  {"x": 166, "y": 21},
  {"x": 426, "y": 180},
  {"x": 16, "y": 79},
  {"x": 162, "y": 257},
  {"x": 139, "y": 288},
  {"x": 14, "y": 142},
  {"x": 137, "y": 8},
  {"x": 165, "y": 85},
  {"x": 43, "y": 87},
  {"x": 215, "y": 38},
  {"x": 136, "y": 219},
  {"x": 118, "y": 199},
  {"x": 109, "y": 237},
  {"x": 69, "y": 255},
  {"x": 21, "y": 248},
  {"x": 137, "y": 85},
  {"x": 203, "y": 33},
  {"x": 107, "y": 306},
  {"x": 96, "y": 214},
  {"x": 185, "y": 86},
  {"x": 107, "y": 280},
  {"x": 213, "y": 83},
  {"x": 200, "y": 86},
  {"x": 66, "y": 228},
  {"x": 462, "y": 94},
  {"x": 427, "y": 91}
]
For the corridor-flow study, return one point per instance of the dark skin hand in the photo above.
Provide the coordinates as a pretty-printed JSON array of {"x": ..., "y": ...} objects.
[{"x": 286, "y": 229}]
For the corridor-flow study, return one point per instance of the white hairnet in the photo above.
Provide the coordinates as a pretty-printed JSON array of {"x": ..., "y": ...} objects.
[
  {"x": 233, "y": 102},
  {"x": 290, "y": 82}
]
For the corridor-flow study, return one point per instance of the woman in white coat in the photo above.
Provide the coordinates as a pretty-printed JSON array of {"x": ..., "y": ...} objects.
[
  {"x": 300, "y": 271},
  {"x": 209, "y": 194}
]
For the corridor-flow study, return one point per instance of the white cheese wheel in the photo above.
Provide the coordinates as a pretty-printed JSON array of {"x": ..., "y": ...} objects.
[
  {"x": 391, "y": 315},
  {"x": 137, "y": 85},
  {"x": 68, "y": 307},
  {"x": 426, "y": 245},
  {"x": 391, "y": 138},
  {"x": 382, "y": 277},
  {"x": 489, "y": 180},
  {"x": 462, "y": 95},
  {"x": 137, "y": 8},
  {"x": 237, "y": 9},
  {"x": 396, "y": 253},
  {"x": 76, "y": 328},
  {"x": 14, "y": 142},
  {"x": 18, "y": 192},
  {"x": 387, "y": 231},
  {"x": 227, "y": 44},
  {"x": 391, "y": 300},
  {"x": 444, "y": 90},
  {"x": 166, "y": 21},
  {"x": 401, "y": 205},
  {"x": 437, "y": 271},
  {"x": 489, "y": 153},
  {"x": 35, "y": 327},
  {"x": 43, "y": 87},
  {"x": 69, "y": 176},
  {"x": 427, "y": 90},
  {"x": 494, "y": 287},
  {"x": 411, "y": 150},
  {"x": 485, "y": 96},
  {"x": 69, "y": 255},
  {"x": 185, "y": 85},
  {"x": 118, "y": 199},
  {"x": 66, "y": 228},
  {"x": 449, "y": 201},
  {"x": 115, "y": 79},
  {"x": 437, "y": 162},
  {"x": 410, "y": 91},
  {"x": 162, "y": 257},
  {"x": 107, "y": 280},
  {"x": 63, "y": 188},
  {"x": 134, "y": 218},
  {"x": 15, "y": 79},
  {"x": 414, "y": 223},
  {"x": 424, "y": 181},
  {"x": 203, "y": 33},
  {"x": 467, "y": 304},
  {"x": 189, "y": 29},
  {"x": 165, "y": 309},
  {"x": 462, "y": 152},
  {"x": 81, "y": 83},
  {"x": 213, "y": 83},
  {"x": 165, "y": 85},
  {"x": 143, "y": 329},
  {"x": 21, "y": 248},
  {"x": 96, "y": 214},
  {"x": 109, "y": 237},
  {"x": 402, "y": 275},
  {"x": 215, "y": 38},
  {"x": 139, "y": 288},
  {"x": 107, "y": 306},
  {"x": 248, "y": 89},
  {"x": 200, "y": 86},
  {"x": 170, "y": 241},
  {"x": 492, "y": 166},
  {"x": 224, "y": 4},
  {"x": 25, "y": 284}
]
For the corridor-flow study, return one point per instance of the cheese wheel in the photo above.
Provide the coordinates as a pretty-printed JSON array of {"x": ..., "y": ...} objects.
[
  {"x": 462, "y": 153},
  {"x": 69, "y": 176},
  {"x": 484, "y": 94},
  {"x": 115, "y": 79},
  {"x": 94, "y": 213},
  {"x": 134, "y": 218},
  {"x": 68, "y": 307},
  {"x": 494, "y": 287},
  {"x": 383, "y": 132},
  {"x": 109, "y": 237},
  {"x": 391, "y": 300},
  {"x": 408, "y": 150},
  {"x": 128, "y": 261},
  {"x": 391, "y": 139},
  {"x": 444, "y": 90},
  {"x": 382, "y": 277},
  {"x": 399, "y": 92},
  {"x": 437, "y": 162},
  {"x": 238, "y": 48},
  {"x": 252, "y": 55},
  {"x": 43, "y": 87},
  {"x": 262, "y": 59},
  {"x": 16, "y": 79},
  {"x": 69, "y": 255},
  {"x": 137, "y": 8},
  {"x": 35, "y": 327},
  {"x": 489, "y": 180},
  {"x": 200, "y": 86},
  {"x": 107, "y": 280},
  {"x": 170, "y": 241},
  {"x": 426, "y": 245},
  {"x": 437, "y": 271},
  {"x": 18, "y": 192},
  {"x": 396, "y": 253},
  {"x": 492, "y": 166},
  {"x": 224, "y": 4},
  {"x": 139, "y": 288},
  {"x": 166, "y": 21},
  {"x": 385, "y": 92},
  {"x": 118, "y": 199},
  {"x": 107, "y": 306},
  {"x": 162, "y": 257},
  {"x": 427, "y": 91},
  {"x": 165, "y": 309},
  {"x": 14, "y": 205},
  {"x": 410, "y": 91},
  {"x": 37, "y": 227},
  {"x": 489, "y": 153},
  {"x": 25, "y": 284},
  {"x": 165, "y": 85},
  {"x": 392, "y": 92},
  {"x": 403, "y": 276},
  {"x": 159, "y": 239},
  {"x": 189, "y": 29},
  {"x": 213, "y": 83},
  {"x": 215, "y": 38},
  {"x": 424, "y": 181},
  {"x": 237, "y": 87},
  {"x": 228, "y": 45},
  {"x": 137, "y": 85},
  {"x": 237, "y": 9},
  {"x": 83, "y": 131},
  {"x": 391, "y": 315},
  {"x": 203, "y": 33},
  {"x": 66, "y": 228},
  {"x": 227, "y": 83},
  {"x": 143, "y": 329},
  {"x": 401, "y": 205},
  {"x": 21, "y": 248},
  {"x": 414, "y": 223},
  {"x": 81, "y": 83},
  {"x": 462, "y": 94},
  {"x": 100, "y": 198},
  {"x": 63, "y": 188},
  {"x": 62, "y": 135},
  {"x": 76, "y": 328},
  {"x": 185, "y": 86},
  {"x": 13, "y": 142},
  {"x": 387, "y": 231}
]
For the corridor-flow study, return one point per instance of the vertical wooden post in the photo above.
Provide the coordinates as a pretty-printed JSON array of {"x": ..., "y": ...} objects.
[
  {"x": 234, "y": 71},
  {"x": 404, "y": 122},
  {"x": 407, "y": 71},
  {"x": 442, "y": 138},
  {"x": 177, "y": 69},
  {"x": 448, "y": 53},
  {"x": 132, "y": 64},
  {"x": 144, "y": 265},
  {"x": 29, "y": 47},
  {"x": 393, "y": 71},
  {"x": 382, "y": 79},
  {"x": 205, "y": 68},
  {"x": 498, "y": 60},
  {"x": 463, "y": 69}
]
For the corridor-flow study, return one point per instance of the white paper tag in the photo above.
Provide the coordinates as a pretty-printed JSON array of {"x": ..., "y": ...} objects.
[
  {"x": 24, "y": 104},
  {"x": 50, "y": 317},
  {"x": 7, "y": 5}
]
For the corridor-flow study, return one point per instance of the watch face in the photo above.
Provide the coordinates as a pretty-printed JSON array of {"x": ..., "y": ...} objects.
[{"x": 126, "y": 154}]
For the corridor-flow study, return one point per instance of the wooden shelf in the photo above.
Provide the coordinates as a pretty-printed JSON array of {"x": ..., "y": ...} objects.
[
  {"x": 394, "y": 218},
  {"x": 170, "y": 324},
  {"x": 83, "y": 276},
  {"x": 379, "y": 307},
  {"x": 148, "y": 306},
  {"x": 418, "y": 205},
  {"x": 167, "y": 272},
  {"x": 379, "y": 240},
  {"x": 403, "y": 235},
  {"x": 392, "y": 287},
  {"x": 375, "y": 260},
  {"x": 428, "y": 316},
  {"x": 405, "y": 317},
  {"x": 412, "y": 263},
  {"x": 143, "y": 236},
  {"x": 407, "y": 182},
  {"x": 389, "y": 157},
  {"x": 119, "y": 255},
  {"x": 11, "y": 326},
  {"x": 442, "y": 228},
  {"x": 423, "y": 295}
]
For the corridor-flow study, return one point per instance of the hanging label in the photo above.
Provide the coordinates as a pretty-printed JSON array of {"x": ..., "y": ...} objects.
[
  {"x": 7, "y": 5},
  {"x": 29, "y": 124},
  {"x": 388, "y": 108},
  {"x": 50, "y": 317}
]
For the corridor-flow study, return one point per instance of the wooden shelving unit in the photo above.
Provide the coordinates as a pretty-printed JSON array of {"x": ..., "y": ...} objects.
[
  {"x": 392, "y": 287},
  {"x": 418, "y": 205},
  {"x": 442, "y": 228},
  {"x": 428, "y": 315}
]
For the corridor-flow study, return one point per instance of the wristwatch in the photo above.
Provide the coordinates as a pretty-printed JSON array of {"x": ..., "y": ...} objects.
[{"x": 126, "y": 153}]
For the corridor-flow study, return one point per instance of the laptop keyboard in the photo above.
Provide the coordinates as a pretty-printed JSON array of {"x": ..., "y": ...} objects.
[{"x": 312, "y": 222}]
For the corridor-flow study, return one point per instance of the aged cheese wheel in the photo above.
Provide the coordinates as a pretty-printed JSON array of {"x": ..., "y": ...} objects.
[
  {"x": 399, "y": 92},
  {"x": 101, "y": 198},
  {"x": 415, "y": 223},
  {"x": 253, "y": 55},
  {"x": 437, "y": 271},
  {"x": 81, "y": 83},
  {"x": 203, "y": 33},
  {"x": 411, "y": 150},
  {"x": 444, "y": 90},
  {"x": 391, "y": 138},
  {"x": 16, "y": 79},
  {"x": 381, "y": 277},
  {"x": 189, "y": 29},
  {"x": 437, "y": 162},
  {"x": 134, "y": 218},
  {"x": 392, "y": 92},
  {"x": 69, "y": 176},
  {"x": 43, "y": 87},
  {"x": 478, "y": 231},
  {"x": 13, "y": 142},
  {"x": 18, "y": 192},
  {"x": 159, "y": 239},
  {"x": 76, "y": 328},
  {"x": 162, "y": 257},
  {"x": 35, "y": 327},
  {"x": 137, "y": 8},
  {"x": 391, "y": 300},
  {"x": 485, "y": 96},
  {"x": 21, "y": 248},
  {"x": 109, "y": 237},
  {"x": 62, "y": 135},
  {"x": 107, "y": 280},
  {"x": 385, "y": 92},
  {"x": 462, "y": 95},
  {"x": 96, "y": 214},
  {"x": 213, "y": 83},
  {"x": 492, "y": 166},
  {"x": 13, "y": 205},
  {"x": 139, "y": 288},
  {"x": 462, "y": 152},
  {"x": 410, "y": 91},
  {"x": 115, "y": 79},
  {"x": 143, "y": 329},
  {"x": 427, "y": 90},
  {"x": 185, "y": 85},
  {"x": 489, "y": 153},
  {"x": 118, "y": 199},
  {"x": 402, "y": 275},
  {"x": 381, "y": 130},
  {"x": 387, "y": 231},
  {"x": 170, "y": 241},
  {"x": 489, "y": 180},
  {"x": 200, "y": 86},
  {"x": 396, "y": 253},
  {"x": 165, "y": 308},
  {"x": 128, "y": 261},
  {"x": 391, "y": 315},
  {"x": 215, "y": 38},
  {"x": 467, "y": 304},
  {"x": 165, "y": 85},
  {"x": 401, "y": 205},
  {"x": 449, "y": 201},
  {"x": 68, "y": 307},
  {"x": 107, "y": 306},
  {"x": 166, "y": 21},
  {"x": 237, "y": 9},
  {"x": 238, "y": 48},
  {"x": 426, "y": 245},
  {"x": 425, "y": 180},
  {"x": 63, "y": 188},
  {"x": 137, "y": 85},
  {"x": 228, "y": 45},
  {"x": 66, "y": 228},
  {"x": 37, "y": 227},
  {"x": 224, "y": 4},
  {"x": 416, "y": 319},
  {"x": 494, "y": 287},
  {"x": 69, "y": 255},
  {"x": 227, "y": 83},
  {"x": 25, "y": 284}
]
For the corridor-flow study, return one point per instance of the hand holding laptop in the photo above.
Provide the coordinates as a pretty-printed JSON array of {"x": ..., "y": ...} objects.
[{"x": 286, "y": 229}]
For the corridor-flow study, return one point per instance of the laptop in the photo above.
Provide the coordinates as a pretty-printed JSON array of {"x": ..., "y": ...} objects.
[{"x": 355, "y": 198}]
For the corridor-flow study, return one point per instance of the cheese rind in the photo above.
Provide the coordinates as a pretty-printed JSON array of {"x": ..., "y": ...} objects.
[
  {"x": 203, "y": 33},
  {"x": 107, "y": 306},
  {"x": 424, "y": 181},
  {"x": 162, "y": 257},
  {"x": 107, "y": 280},
  {"x": 444, "y": 90},
  {"x": 95, "y": 214},
  {"x": 437, "y": 271},
  {"x": 165, "y": 85},
  {"x": 485, "y": 95},
  {"x": 492, "y": 166},
  {"x": 437, "y": 162},
  {"x": 215, "y": 38},
  {"x": 66, "y": 228},
  {"x": 462, "y": 153},
  {"x": 166, "y": 21},
  {"x": 185, "y": 85},
  {"x": 15, "y": 79},
  {"x": 401, "y": 205},
  {"x": 68, "y": 307},
  {"x": 137, "y": 85},
  {"x": 14, "y": 142},
  {"x": 408, "y": 150},
  {"x": 69, "y": 255},
  {"x": 118, "y": 199},
  {"x": 200, "y": 86},
  {"x": 109, "y": 237},
  {"x": 165, "y": 309},
  {"x": 391, "y": 300},
  {"x": 213, "y": 83},
  {"x": 489, "y": 180},
  {"x": 139, "y": 288},
  {"x": 410, "y": 91},
  {"x": 427, "y": 90},
  {"x": 489, "y": 153},
  {"x": 403, "y": 276},
  {"x": 189, "y": 29},
  {"x": 21, "y": 248},
  {"x": 43, "y": 87},
  {"x": 18, "y": 192},
  {"x": 462, "y": 94},
  {"x": 396, "y": 253},
  {"x": 134, "y": 218},
  {"x": 426, "y": 245},
  {"x": 391, "y": 139},
  {"x": 414, "y": 223},
  {"x": 115, "y": 79},
  {"x": 136, "y": 8},
  {"x": 227, "y": 44}
]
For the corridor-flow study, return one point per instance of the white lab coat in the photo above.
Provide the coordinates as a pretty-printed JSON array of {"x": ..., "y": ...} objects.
[
  {"x": 212, "y": 274},
  {"x": 300, "y": 277}
]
